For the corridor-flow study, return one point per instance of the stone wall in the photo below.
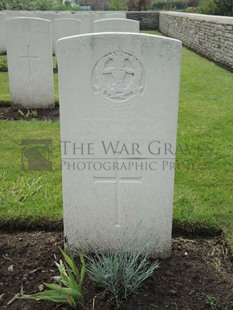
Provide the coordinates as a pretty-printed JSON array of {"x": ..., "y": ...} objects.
[
  {"x": 210, "y": 36},
  {"x": 148, "y": 20}
]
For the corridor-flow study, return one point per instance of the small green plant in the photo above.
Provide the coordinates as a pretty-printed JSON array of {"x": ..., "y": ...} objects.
[
  {"x": 211, "y": 302},
  {"x": 121, "y": 273},
  {"x": 28, "y": 113},
  {"x": 34, "y": 113},
  {"x": 69, "y": 289}
]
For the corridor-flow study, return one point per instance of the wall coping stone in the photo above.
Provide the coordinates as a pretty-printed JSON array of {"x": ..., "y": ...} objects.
[{"x": 208, "y": 18}]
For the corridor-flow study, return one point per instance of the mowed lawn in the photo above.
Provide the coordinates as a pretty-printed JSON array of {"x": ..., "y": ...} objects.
[{"x": 204, "y": 175}]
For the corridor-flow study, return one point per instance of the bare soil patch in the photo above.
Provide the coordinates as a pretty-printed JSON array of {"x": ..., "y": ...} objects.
[
  {"x": 198, "y": 275},
  {"x": 9, "y": 113}
]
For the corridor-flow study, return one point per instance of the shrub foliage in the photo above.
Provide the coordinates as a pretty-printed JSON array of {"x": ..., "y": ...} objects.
[
  {"x": 30, "y": 4},
  {"x": 216, "y": 7},
  {"x": 224, "y": 7}
]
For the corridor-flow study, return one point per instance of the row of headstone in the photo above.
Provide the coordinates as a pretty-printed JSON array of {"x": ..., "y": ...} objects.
[
  {"x": 95, "y": 14},
  {"x": 64, "y": 27},
  {"x": 29, "y": 54},
  {"x": 118, "y": 105},
  {"x": 116, "y": 25},
  {"x": 87, "y": 20}
]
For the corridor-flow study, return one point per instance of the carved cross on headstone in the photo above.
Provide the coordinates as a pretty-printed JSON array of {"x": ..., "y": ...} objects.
[
  {"x": 29, "y": 57},
  {"x": 118, "y": 180}
]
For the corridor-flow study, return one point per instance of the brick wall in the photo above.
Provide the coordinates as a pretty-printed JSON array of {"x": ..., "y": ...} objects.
[{"x": 210, "y": 36}]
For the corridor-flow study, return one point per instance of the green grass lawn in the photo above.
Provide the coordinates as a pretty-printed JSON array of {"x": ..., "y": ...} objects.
[
  {"x": 204, "y": 178},
  {"x": 28, "y": 194},
  {"x": 204, "y": 193}
]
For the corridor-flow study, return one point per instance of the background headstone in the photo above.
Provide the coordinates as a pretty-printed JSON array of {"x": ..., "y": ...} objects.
[
  {"x": 16, "y": 14},
  {"x": 119, "y": 106},
  {"x": 51, "y": 16},
  {"x": 65, "y": 27},
  {"x": 30, "y": 67},
  {"x": 116, "y": 25},
  {"x": 96, "y": 15},
  {"x": 116, "y": 15},
  {"x": 2, "y": 33},
  {"x": 85, "y": 21},
  {"x": 65, "y": 14}
]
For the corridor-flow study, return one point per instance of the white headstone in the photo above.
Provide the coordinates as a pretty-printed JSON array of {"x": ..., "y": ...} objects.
[
  {"x": 119, "y": 106},
  {"x": 51, "y": 16},
  {"x": 116, "y": 15},
  {"x": 65, "y": 14},
  {"x": 2, "y": 33},
  {"x": 30, "y": 67},
  {"x": 16, "y": 14},
  {"x": 116, "y": 25},
  {"x": 84, "y": 17},
  {"x": 96, "y": 15},
  {"x": 66, "y": 27},
  {"x": 85, "y": 21}
]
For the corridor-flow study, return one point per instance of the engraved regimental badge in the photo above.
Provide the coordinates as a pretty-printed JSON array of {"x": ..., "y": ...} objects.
[{"x": 118, "y": 76}]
